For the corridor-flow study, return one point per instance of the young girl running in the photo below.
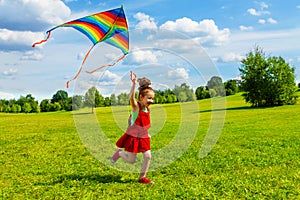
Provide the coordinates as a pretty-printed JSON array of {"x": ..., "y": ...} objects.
[{"x": 136, "y": 139}]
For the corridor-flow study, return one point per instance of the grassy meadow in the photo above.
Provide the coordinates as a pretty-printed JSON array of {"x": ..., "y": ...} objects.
[{"x": 257, "y": 156}]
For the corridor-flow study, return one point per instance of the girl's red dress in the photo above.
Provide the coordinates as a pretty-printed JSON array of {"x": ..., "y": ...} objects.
[{"x": 136, "y": 139}]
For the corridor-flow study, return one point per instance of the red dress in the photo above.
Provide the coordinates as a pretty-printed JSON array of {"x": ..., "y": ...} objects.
[{"x": 136, "y": 139}]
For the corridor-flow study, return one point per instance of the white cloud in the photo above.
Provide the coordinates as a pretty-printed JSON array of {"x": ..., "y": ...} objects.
[
  {"x": 178, "y": 45},
  {"x": 263, "y": 5},
  {"x": 21, "y": 21},
  {"x": 32, "y": 15},
  {"x": 31, "y": 55},
  {"x": 15, "y": 39},
  {"x": 145, "y": 21},
  {"x": 206, "y": 31},
  {"x": 261, "y": 11},
  {"x": 4, "y": 95},
  {"x": 10, "y": 72},
  {"x": 255, "y": 12},
  {"x": 261, "y": 21},
  {"x": 272, "y": 21},
  {"x": 181, "y": 73},
  {"x": 298, "y": 6},
  {"x": 139, "y": 56},
  {"x": 269, "y": 20},
  {"x": 252, "y": 11},
  {"x": 232, "y": 57},
  {"x": 246, "y": 28}
]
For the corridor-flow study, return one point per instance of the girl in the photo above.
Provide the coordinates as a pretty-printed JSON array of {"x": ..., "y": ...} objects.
[{"x": 136, "y": 139}]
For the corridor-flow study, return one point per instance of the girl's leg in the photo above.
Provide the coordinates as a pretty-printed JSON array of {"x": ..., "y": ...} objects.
[
  {"x": 146, "y": 163},
  {"x": 128, "y": 157}
]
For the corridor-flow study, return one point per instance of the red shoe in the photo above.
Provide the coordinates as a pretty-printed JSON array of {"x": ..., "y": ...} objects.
[
  {"x": 116, "y": 156},
  {"x": 145, "y": 181}
]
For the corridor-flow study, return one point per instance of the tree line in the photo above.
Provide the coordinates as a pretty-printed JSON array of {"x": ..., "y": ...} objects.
[
  {"x": 265, "y": 81},
  {"x": 93, "y": 98}
]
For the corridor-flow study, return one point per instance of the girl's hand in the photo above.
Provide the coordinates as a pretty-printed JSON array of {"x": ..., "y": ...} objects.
[{"x": 133, "y": 77}]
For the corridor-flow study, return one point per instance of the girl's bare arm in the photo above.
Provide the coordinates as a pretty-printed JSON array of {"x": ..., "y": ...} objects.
[{"x": 133, "y": 102}]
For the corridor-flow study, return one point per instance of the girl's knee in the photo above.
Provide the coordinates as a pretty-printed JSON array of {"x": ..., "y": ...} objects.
[
  {"x": 132, "y": 161},
  {"x": 147, "y": 155}
]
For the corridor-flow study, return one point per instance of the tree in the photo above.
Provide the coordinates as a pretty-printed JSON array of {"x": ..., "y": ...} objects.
[
  {"x": 267, "y": 81},
  {"x": 212, "y": 93},
  {"x": 77, "y": 102},
  {"x": 184, "y": 93},
  {"x": 90, "y": 97},
  {"x": 231, "y": 87},
  {"x": 202, "y": 93},
  {"x": 61, "y": 97},
  {"x": 99, "y": 99},
  {"x": 55, "y": 107},
  {"x": 26, "y": 108},
  {"x": 16, "y": 108},
  {"x": 30, "y": 100},
  {"x": 216, "y": 83},
  {"x": 6, "y": 108},
  {"x": 113, "y": 100},
  {"x": 107, "y": 101},
  {"x": 123, "y": 99},
  {"x": 45, "y": 105}
]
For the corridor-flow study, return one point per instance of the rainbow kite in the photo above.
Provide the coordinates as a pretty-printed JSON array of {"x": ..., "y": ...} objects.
[{"x": 109, "y": 26}]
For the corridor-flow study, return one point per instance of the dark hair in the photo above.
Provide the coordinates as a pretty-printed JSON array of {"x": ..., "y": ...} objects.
[{"x": 144, "y": 86}]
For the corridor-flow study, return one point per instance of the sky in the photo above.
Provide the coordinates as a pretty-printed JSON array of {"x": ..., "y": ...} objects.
[{"x": 171, "y": 42}]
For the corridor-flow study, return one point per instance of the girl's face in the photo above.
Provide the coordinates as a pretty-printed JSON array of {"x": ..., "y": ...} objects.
[{"x": 147, "y": 99}]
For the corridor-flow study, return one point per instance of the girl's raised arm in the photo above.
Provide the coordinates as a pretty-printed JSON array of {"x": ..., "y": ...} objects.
[{"x": 133, "y": 102}]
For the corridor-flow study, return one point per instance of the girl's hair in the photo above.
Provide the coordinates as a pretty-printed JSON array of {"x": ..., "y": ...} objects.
[{"x": 144, "y": 86}]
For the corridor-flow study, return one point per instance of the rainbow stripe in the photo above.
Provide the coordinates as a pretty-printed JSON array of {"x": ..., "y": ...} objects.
[{"x": 109, "y": 26}]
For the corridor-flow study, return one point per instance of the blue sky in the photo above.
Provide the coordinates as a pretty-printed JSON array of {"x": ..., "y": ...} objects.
[{"x": 171, "y": 42}]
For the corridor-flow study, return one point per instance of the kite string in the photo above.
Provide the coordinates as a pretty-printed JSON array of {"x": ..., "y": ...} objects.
[
  {"x": 42, "y": 41},
  {"x": 80, "y": 69},
  {"x": 108, "y": 65}
]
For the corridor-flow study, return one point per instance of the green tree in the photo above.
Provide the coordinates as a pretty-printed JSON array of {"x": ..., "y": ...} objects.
[
  {"x": 62, "y": 98},
  {"x": 113, "y": 100},
  {"x": 231, "y": 87},
  {"x": 184, "y": 93},
  {"x": 16, "y": 108},
  {"x": 6, "y": 108},
  {"x": 26, "y": 108},
  {"x": 212, "y": 93},
  {"x": 107, "y": 101},
  {"x": 267, "y": 81},
  {"x": 77, "y": 102},
  {"x": 202, "y": 93},
  {"x": 54, "y": 107},
  {"x": 28, "y": 99},
  {"x": 216, "y": 83},
  {"x": 99, "y": 99},
  {"x": 45, "y": 105},
  {"x": 123, "y": 99},
  {"x": 90, "y": 97},
  {"x": 182, "y": 97}
]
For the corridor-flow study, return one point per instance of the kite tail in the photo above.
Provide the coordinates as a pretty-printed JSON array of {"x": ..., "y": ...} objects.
[
  {"x": 42, "y": 41},
  {"x": 108, "y": 65},
  {"x": 80, "y": 69}
]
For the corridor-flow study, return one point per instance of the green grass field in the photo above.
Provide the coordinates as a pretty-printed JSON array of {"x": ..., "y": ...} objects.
[{"x": 256, "y": 157}]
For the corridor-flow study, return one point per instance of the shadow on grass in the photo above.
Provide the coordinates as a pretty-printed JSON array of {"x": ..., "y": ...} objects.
[
  {"x": 235, "y": 108},
  {"x": 84, "y": 113},
  {"x": 96, "y": 178}
]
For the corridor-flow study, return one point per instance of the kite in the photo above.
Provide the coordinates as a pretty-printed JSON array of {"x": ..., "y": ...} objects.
[{"x": 108, "y": 26}]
